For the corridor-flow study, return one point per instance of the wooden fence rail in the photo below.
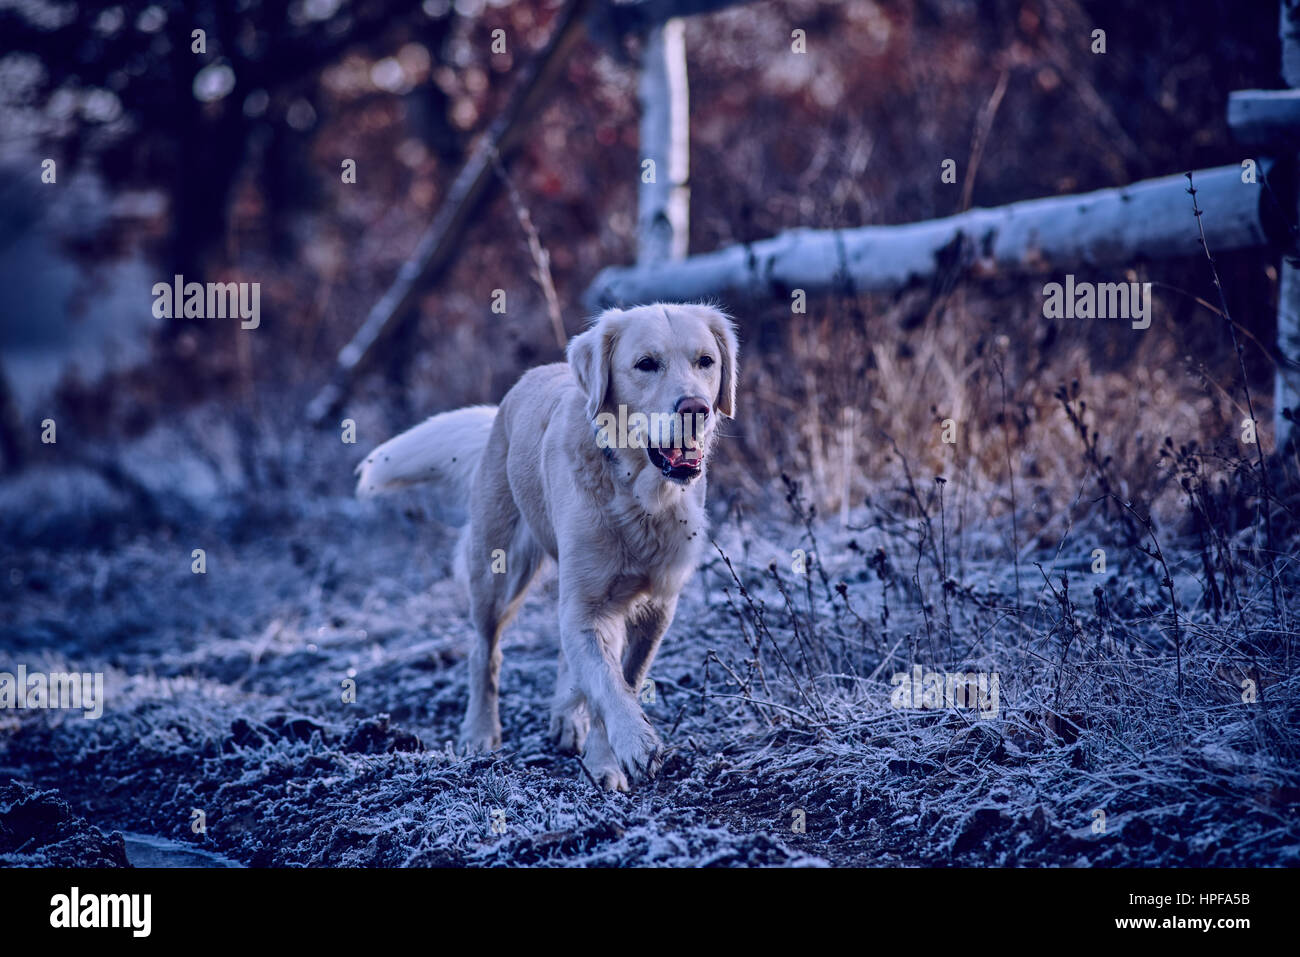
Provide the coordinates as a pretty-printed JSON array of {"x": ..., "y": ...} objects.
[{"x": 1151, "y": 219}]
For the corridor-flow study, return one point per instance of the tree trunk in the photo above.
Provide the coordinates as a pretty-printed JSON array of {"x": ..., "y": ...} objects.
[{"x": 663, "y": 200}]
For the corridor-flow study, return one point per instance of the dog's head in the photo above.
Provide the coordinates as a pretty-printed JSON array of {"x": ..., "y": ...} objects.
[{"x": 657, "y": 379}]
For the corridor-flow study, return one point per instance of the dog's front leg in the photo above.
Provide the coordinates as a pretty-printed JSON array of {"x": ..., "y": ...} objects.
[
  {"x": 570, "y": 721},
  {"x": 622, "y": 747},
  {"x": 645, "y": 629}
]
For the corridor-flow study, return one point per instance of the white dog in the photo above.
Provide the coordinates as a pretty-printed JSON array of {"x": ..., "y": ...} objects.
[{"x": 600, "y": 463}]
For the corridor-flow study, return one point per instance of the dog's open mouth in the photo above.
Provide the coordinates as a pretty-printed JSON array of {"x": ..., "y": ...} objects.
[{"x": 682, "y": 465}]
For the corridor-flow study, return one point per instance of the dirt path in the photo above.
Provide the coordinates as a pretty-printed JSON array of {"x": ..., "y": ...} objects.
[{"x": 225, "y": 694}]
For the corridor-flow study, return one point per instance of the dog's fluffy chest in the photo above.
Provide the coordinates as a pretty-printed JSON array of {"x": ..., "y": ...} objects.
[{"x": 661, "y": 549}]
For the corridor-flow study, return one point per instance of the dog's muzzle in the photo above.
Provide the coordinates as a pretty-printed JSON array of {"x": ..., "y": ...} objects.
[
  {"x": 683, "y": 461},
  {"x": 680, "y": 465}
]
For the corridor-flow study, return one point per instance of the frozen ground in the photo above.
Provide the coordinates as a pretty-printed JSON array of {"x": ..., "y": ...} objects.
[{"x": 225, "y": 697}]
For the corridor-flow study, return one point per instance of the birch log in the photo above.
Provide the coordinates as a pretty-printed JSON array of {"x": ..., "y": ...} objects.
[
  {"x": 1148, "y": 220},
  {"x": 663, "y": 199},
  {"x": 1265, "y": 121}
]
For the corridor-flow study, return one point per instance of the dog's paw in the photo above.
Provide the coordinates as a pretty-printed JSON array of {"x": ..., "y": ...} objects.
[
  {"x": 638, "y": 750},
  {"x": 601, "y": 763},
  {"x": 611, "y": 778},
  {"x": 569, "y": 729},
  {"x": 479, "y": 737}
]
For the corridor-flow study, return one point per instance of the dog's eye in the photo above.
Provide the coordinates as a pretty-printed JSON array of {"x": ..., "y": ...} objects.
[
  {"x": 706, "y": 361},
  {"x": 648, "y": 364}
]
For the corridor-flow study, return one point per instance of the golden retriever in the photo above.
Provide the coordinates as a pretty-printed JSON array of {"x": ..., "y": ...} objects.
[{"x": 598, "y": 462}]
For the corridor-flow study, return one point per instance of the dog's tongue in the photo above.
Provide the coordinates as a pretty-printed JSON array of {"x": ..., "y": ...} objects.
[{"x": 676, "y": 457}]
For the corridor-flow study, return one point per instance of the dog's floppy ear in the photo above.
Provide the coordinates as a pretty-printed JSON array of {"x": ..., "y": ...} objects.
[
  {"x": 724, "y": 331},
  {"x": 590, "y": 355}
]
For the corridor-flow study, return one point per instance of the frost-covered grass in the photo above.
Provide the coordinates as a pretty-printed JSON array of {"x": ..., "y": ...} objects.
[{"x": 1113, "y": 742}]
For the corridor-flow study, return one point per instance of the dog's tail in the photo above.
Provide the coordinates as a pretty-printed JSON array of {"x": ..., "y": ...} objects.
[{"x": 443, "y": 450}]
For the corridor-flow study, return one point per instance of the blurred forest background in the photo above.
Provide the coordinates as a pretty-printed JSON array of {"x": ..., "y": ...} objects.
[{"x": 225, "y": 166}]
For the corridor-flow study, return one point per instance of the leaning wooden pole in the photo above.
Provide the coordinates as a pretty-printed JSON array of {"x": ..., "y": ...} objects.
[
  {"x": 442, "y": 241},
  {"x": 1145, "y": 221}
]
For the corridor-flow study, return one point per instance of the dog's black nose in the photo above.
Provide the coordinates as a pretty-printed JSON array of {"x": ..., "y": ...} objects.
[{"x": 692, "y": 405}]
